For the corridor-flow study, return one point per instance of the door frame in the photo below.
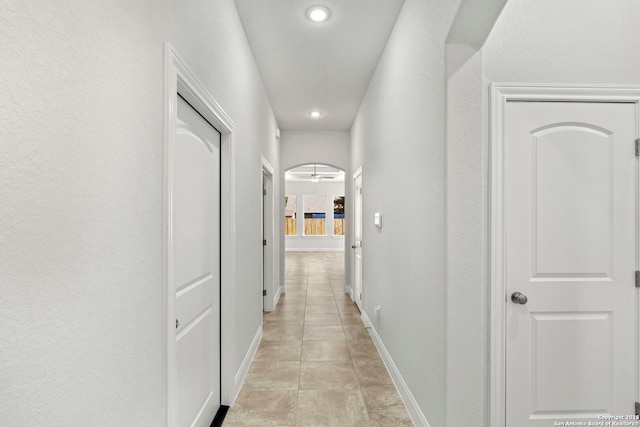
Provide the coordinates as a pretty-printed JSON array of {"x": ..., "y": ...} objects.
[
  {"x": 356, "y": 174},
  {"x": 269, "y": 255},
  {"x": 500, "y": 94},
  {"x": 179, "y": 79}
]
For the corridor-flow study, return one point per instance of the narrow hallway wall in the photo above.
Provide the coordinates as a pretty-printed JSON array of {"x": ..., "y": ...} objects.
[
  {"x": 399, "y": 140},
  {"x": 81, "y": 168}
]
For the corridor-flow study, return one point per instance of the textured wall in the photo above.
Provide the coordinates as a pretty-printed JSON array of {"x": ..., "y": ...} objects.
[
  {"x": 81, "y": 172},
  {"x": 308, "y": 147},
  {"x": 466, "y": 244},
  {"x": 398, "y": 138},
  {"x": 565, "y": 42}
]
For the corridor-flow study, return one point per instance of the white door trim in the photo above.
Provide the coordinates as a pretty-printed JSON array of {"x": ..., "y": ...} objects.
[
  {"x": 352, "y": 279},
  {"x": 268, "y": 267},
  {"x": 502, "y": 93},
  {"x": 179, "y": 79}
]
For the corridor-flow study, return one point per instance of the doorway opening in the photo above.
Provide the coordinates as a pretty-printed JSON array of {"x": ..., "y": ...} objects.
[
  {"x": 198, "y": 218},
  {"x": 315, "y": 217},
  {"x": 314, "y": 208},
  {"x": 270, "y": 292}
]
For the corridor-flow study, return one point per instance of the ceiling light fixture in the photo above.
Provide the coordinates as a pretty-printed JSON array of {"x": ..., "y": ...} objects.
[
  {"x": 318, "y": 13},
  {"x": 315, "y": 114}
]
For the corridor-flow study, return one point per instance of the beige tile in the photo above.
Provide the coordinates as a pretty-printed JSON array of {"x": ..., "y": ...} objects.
[
  {"x": 318, "y": 280},
  {"x": 372, "y": 373},
  {"x": 285, "y": 319},
  {"x": 340, "y": 295},
  {"x": 295, "y": 283},
  {"x": 363, "y": 349},
  {"x": 266, "y": 401},
  {"x": 282, "y": 332},
  {"x": 317, "y": 299},
  {"x": 347, "y": 307},
  {"x": 330, "y": 333},
  {"x": 298, "y": 283},
  {"x": 351, "y": 319},
  {"x": 335, "y": 408},
  {"x": 279, "y": 351},
  {"x": 328, "y": 319},
  {"x": 253, "y": 419},
  {"x": 267, "y": 375},
  {"x": 322, "y": 351},
  {"x": 321, "y": 308},
  {"x": 291, "y": 290},
  {"x": 292, "y": 299},
  {"x": 381, "y": 398},
  {"x": 385, "y": 407},
  {"x": 396, "y": 417},
  {"x": 290, "y": 308},
  {"x": 325, "y": 291},
  {"x": 356, "y": 332},
  {"x": 331, "y": 375}
]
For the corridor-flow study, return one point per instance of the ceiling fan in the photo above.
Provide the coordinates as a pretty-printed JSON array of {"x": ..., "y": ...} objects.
[{"x": 317, "y": 178}]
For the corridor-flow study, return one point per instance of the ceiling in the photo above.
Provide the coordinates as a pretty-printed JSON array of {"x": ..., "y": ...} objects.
[{"x": 323, "y": 66}]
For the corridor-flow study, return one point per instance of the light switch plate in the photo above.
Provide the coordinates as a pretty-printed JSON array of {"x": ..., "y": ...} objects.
[{"x": 377, "y": 220}]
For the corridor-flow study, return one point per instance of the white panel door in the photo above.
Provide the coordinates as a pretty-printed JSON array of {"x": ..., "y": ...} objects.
[
  {"x": 196, "y": 267},
  {"x": 570, "y": 209},
  {"x": 357, "y": 245}
]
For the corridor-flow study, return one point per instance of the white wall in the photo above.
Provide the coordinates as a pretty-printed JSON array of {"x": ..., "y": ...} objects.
[
  {"x": 314, "y": 243},
  {"x": 82, "y": 182},
  {"x": 398, "y": 138},
  {"x": 321, "y": 147}
]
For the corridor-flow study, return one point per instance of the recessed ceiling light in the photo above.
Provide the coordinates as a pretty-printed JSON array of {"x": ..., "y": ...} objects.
[
  {"x": 318, "y": 13},
  {"x": 315, "y": 114}
]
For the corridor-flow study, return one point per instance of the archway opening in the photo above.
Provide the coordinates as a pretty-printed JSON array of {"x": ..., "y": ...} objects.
[{"x": 314, "y": 209}]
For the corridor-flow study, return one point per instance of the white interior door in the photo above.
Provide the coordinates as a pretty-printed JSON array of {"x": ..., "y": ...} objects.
[
  {"x": 196, "y": 267},
  {"x": 267, "y": 224},
  {"x": 570, "y": 213},
  {"x": 357, "y": 244}
]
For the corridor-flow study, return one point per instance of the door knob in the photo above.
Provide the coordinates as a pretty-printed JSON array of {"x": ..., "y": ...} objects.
[
  {"x": 519, "y": 298},
  {"x": 177, "y": 323},
  {"x": 353, "y": 246}
]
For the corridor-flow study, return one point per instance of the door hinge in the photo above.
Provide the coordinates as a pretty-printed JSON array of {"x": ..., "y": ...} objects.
[
  {"x": 361, "y": 297},
  {"x": 638, "y": 147},
  {"x": 637, "y": 279},
  {"x": 264, "y": 292},
  {"x": 264, "y": 191},
  {"x": 264, "y": 243},
  {"x": 637, "y": 408}
]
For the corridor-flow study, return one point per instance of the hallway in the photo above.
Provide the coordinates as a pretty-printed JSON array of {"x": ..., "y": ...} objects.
[{"x": 316, "y": 364}]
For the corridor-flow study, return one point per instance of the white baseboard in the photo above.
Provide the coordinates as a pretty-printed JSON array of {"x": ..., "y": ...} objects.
[
  {"x": 410, "y": 403},
  {"x": 349, "y": 290},
  {"x": 276, "y": 297},
  {"x": 246, "y": 363}
]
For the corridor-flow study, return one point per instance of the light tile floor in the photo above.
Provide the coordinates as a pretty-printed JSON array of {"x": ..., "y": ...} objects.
[{"x": 316, "y": 364}]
